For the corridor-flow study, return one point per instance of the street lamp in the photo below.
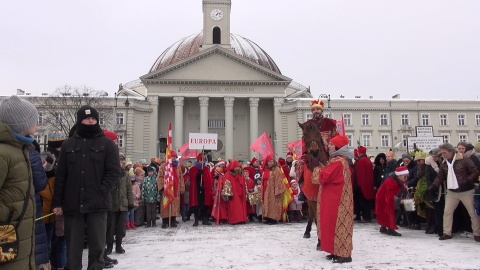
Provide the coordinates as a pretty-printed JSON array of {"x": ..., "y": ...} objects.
[
  {"x": 114, "y": 122},
  {"x": 127, "y": 103},
  {"x": 327, "y": 96}
]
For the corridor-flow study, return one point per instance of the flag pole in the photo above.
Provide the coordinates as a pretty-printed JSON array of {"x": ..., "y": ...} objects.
[
  {"x": 203, "y": 162},
  {"x": 170, "y": 215}
]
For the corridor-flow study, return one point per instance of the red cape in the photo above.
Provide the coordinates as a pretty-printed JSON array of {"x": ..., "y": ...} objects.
[
  {"x": 207, "y": 181},
  {"x": 364, "y": 177},
  {"x": 385, "y": 204}
]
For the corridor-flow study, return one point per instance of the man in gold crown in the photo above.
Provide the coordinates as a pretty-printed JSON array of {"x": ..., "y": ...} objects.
[{"x": 328, "y": 130}]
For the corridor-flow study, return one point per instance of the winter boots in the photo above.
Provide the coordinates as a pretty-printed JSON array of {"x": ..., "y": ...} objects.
[
  {"x": 383, "y": 230},
  {"x": 307, "y": 230},
  {"x": 109, "y": 249},
  {"x": 393, "y": 232},
  {"x": 118, "y": 246}
]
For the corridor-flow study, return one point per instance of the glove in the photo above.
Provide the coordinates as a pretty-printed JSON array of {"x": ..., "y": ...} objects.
[{"x": 131, "y": 207}]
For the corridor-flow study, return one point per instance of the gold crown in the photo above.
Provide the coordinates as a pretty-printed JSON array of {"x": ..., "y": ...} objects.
[{"x": 317, "y": 103}]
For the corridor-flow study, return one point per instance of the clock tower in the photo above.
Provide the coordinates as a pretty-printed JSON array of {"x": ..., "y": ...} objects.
[{"x": 216, "y": 23}]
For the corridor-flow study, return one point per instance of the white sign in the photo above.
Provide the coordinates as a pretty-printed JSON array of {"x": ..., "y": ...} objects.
[
  {"x": 424, "y": 131},
  {"x": 207, "y": 141},
  {"x": 424, "y": 143}
]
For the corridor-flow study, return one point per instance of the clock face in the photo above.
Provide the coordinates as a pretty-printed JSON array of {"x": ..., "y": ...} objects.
[{"x": 216, "y": 14}]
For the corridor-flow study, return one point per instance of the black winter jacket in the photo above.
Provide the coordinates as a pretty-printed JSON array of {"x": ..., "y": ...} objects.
[{"x": 88, "y": 168}]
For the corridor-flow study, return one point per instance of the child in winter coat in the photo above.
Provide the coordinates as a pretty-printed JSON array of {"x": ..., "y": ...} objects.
[
  {"x": 137, "y": 195},
  {"x": 295, "y": 207},
  {"x": 150, "y": 196}
]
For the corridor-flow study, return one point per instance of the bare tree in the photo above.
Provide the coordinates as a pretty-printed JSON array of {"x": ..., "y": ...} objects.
[{"x": 59, "y": 110}]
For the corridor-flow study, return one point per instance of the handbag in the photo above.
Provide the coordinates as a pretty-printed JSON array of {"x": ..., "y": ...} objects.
[
  {"x": 9, "y": 242},
  {"x": 302, "y": 197}
]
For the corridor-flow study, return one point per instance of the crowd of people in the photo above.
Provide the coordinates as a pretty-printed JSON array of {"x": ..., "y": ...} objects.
[{"x": 83, "y": 193}]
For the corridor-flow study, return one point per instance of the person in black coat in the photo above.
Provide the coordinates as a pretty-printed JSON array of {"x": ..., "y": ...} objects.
[
  {"x": 432, "y": 166},
  {"x": 380, "y": 163},
  {"x": 88, "y": 168}
]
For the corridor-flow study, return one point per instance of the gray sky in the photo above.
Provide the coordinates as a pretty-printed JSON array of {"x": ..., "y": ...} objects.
[{"x": 419, "y": 49}]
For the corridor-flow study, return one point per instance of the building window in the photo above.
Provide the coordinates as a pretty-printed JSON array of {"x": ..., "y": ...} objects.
[
  {"x": 58, "y": 117},
  {"x": 478, "y": 137},
  {"x": 350, "y": 138},
  {"x": 446, "y": 137},
  {"x": 101, "y": 119},
  {"x": 405, "y": 121},
  {"x": 367, "y": 139},
  {"x": 385, "y": 140},
  {"x": 443, "y": 119},
  {"x": 40, "y": 118},
  {"x": 365, "y": 119},
  {"x": 383, "y": 119},
  {"x": 327, "y": 115},
  {"x": 477, "y": 119},
  {"x": 121, "y": 141},
  {"x": 405, "y": 139},
  {"x": 461, "y": 119},
  {"x": 38, "y": 138},
  {"x": 216, "y": 123},
  {"x": 425, "y": 119},
  {"x": 462, "y": 137},
  {"x": 308, "y": 116},
  {"x": 119, "y": 119},
  {"x": 347, "y": 119},
  {"x": 217, "y": 35}
]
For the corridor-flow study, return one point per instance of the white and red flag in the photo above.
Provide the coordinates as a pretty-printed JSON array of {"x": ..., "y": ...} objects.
[{"x": 263, "y": 146}]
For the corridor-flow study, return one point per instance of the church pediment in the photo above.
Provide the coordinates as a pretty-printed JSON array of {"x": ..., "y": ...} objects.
[{"x": 215, "y": 65}]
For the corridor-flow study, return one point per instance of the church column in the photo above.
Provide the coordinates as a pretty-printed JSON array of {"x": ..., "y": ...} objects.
[
  {"x": 178, "y": 125},
  {"x": 203, "y": 114},
  {"x": 277, "y": 126},
  {"x": 253, "y": 102},
  {"x": 228, "y": 102}
]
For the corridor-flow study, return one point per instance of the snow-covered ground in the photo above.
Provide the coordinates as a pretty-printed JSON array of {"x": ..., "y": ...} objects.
[{"x": 282, "y": 246}]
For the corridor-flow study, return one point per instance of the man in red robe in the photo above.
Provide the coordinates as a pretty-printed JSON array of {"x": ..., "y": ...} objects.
[
  {"x": 250, "y": 183},
  {"x": 237, "y": 205},
  {"x": 201, "y": 183},
  {"x": 328, "y": 129},
  {"x": 364, "y": 194},
  {"x": 335, "y": 202},
  {"x": 385, "y": 202},
  {"x": 286, "y": 170}
]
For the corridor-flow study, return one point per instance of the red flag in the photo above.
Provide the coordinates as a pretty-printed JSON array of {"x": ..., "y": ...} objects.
[
  {"x": 187, "y": 153},
  {"x": 296, "y": 148},
  {"x": 263, "y": 146},
  {"x": 341, "y": 126},
  {"x": 169, "y": 142}
]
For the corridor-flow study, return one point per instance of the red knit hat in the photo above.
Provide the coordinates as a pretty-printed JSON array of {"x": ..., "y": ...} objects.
[
  {"x": 111, "y": 135},
  {"x": 339, "y": 141},
  {"x": 289, "y": 154},
  {"x": 199, "y": 157},
  {"x": 281, "y": 161},
  {"x": 402, "y": 170},
  {"x": 268, "y": 158},
  {"x": 253, "y": 160},
  {"x": 173, "y": 154},
  {"x": 232, "y": 164},
  {"x": 362, "y": 150}
]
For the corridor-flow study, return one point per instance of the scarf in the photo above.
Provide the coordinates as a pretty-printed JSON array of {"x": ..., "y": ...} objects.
[
  {"x": 25, "y": 139},
  {"x": 295, "y": 191},
  {"x": 88, "y": 131},
  {"x": 452, "y": 182}
]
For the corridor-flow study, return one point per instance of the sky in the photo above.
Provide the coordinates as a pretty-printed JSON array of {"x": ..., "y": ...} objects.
[
  {"x": 419, "y": 49},
  {"x": 258, "y": 246}
]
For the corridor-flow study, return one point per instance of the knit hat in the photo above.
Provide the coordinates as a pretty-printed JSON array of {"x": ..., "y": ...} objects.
[
  {"x": 289, "y": 154},
  {"x": 253, "y": 160},
  {"x": 173, "y": 154},
  {"x": 361, "y": 150},
  {"x": 339, "y": 141},
  {"x": 86, "y": 111},
  {"x": 139, "y": 171},
  {"x": 407, "y": 155},
  {"x": 232, "y": 164},
  {"x": 151, "y": 168},
  {"x": 281, "y": 161},
  {"x": 18, "y": 113},
  {"x": 317, "y": 103},
  {"x": 401, "y": 170},
  {"x": 268, "y": 158}
]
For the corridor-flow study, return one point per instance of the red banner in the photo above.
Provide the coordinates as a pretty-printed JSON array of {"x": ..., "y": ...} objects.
[
  {"x": 341, "y": 126},
  {"x": 263, "y": 146},
  {"x": 187, "y": 153},
  {"x": 296, "y": 148},
  {"x": 169, "y": 142}
]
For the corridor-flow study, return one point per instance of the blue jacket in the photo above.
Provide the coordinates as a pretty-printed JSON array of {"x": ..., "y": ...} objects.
[{"x": 39, "y": 183}]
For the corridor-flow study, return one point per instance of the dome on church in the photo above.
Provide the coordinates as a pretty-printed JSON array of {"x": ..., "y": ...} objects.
[{"x": 190, "y": 45}]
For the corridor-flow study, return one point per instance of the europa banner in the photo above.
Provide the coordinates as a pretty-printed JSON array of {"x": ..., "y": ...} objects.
[{"x": 206, "y": 141}]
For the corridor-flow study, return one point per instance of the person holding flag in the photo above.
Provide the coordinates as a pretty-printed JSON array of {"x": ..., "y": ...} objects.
[
  {"x": 201, "y": 183},
  {"x": 170, "y": 182}
]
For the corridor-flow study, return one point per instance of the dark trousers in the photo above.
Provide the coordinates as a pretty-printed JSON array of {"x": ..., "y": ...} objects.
[
  {"x": 438, "y": 212},
  {"x": 139, "y": 215},
  {"x": 151, "y": 211},
  {"x": 200, "y": 212},
  {"x": 116, "y": 226},
  {"x": 95, "y": 225},
  {"x": 362, "y": 206}
]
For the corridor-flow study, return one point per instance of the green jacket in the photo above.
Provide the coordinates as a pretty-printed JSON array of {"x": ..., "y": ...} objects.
[
  {"x": 15, "y": 176},
  {"x": 122, "y": 195}
]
